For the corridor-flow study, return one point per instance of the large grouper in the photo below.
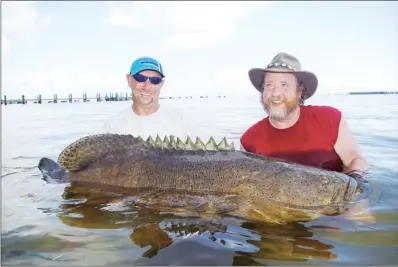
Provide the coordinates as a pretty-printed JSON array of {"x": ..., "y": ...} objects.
[{"x": 206, "y": 178}]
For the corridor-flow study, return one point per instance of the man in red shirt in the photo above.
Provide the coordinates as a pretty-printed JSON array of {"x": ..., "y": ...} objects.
[{"x": 310, "y": 135}]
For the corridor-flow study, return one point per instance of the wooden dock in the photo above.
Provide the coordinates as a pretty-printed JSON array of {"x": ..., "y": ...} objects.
[{"x": 84, "y": 98}]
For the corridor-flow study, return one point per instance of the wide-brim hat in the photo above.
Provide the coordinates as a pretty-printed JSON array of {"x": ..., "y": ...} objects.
[{"x": 284, "y": 62}]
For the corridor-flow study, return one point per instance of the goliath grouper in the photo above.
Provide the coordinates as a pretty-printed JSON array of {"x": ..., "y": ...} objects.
[{"x": 248, "y": 185}]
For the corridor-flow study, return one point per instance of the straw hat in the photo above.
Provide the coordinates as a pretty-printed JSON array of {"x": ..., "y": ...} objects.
[{"x": 284, "y": 62}]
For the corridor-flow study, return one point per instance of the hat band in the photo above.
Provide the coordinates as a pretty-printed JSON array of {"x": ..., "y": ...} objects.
[{"x": 283, "y": 65}]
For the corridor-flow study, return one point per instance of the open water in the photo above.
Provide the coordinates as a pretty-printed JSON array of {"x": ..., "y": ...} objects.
[{"x": 40, "y": 227}]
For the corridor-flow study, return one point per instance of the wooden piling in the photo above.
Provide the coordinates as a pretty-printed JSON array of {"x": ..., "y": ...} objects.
[
  {"x": 5, "y": 100},
  {"x": 55, "y": 98},
  {"x": 70, "y": 98},
  {"x": 23, "y": 100}
]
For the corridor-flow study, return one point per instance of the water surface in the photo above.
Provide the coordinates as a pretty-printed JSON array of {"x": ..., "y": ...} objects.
[{"x": 42, "y": 226}]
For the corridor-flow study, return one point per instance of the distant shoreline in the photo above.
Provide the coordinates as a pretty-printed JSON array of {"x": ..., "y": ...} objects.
[{"x": 373, "y": 93}]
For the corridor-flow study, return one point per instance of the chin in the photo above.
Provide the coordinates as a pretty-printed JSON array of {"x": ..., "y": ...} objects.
[
  {"x": 147, "y": 104},
  {"x": 278, "y": 116}
]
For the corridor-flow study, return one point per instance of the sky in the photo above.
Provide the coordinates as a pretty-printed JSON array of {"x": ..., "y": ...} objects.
[{"x": 206, "y": 48}]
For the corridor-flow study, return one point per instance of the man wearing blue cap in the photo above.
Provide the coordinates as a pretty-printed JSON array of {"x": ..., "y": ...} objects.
[{"x": 146, "y": 116}]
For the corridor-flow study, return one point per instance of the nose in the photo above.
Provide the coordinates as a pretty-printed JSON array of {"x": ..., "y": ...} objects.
[
  {"x": 147, "y": 85},
  {"x": 277, "y": 90}
]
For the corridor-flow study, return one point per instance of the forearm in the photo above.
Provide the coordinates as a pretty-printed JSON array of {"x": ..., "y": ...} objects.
[{"x": 357, "y": 165}]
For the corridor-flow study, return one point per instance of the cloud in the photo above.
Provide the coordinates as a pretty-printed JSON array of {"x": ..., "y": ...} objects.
[
  {"x": 183, "y": 24},
  {"x": 20, "y": 20}
]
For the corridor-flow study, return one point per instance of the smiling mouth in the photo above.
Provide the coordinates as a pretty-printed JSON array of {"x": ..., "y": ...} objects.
[{"x": 276, "y": 103}]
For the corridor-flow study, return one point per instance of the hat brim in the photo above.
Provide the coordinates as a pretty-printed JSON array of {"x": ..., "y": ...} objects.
[{"x": 309, "y": 79}]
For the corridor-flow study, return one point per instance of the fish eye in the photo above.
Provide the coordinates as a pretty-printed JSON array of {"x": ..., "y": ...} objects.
[{"x": 325, "y": 180}]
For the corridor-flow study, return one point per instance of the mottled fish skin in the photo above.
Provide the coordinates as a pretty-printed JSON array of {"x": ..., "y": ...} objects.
[{"x": 257, "y": 186}]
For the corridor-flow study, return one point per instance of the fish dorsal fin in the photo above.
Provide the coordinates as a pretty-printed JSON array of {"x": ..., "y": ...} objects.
[
  {"x": 189, "y": 145},
  {"x": 173, "y": 142},
  {"x": 90, "y": 148},
  {"x": 180, "y": 145},
  {"x": 176, "y": 143},
  {"x": 166, "y": 143},
  {"x": 150, "y": 141},
  {"x": 211, "y": 144},
  {"x": 199, "y": 144},
  {"x": 223, "y": 145}
]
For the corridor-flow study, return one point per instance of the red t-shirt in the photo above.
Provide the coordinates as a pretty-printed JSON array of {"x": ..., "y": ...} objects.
[{"x": 309, "y": 142}]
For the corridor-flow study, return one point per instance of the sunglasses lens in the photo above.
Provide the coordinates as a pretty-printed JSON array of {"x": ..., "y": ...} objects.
[
  {"x": 139, "y": 78},
  {"x": 155, "y": 80},
  {"x": 142, "y": 78}
]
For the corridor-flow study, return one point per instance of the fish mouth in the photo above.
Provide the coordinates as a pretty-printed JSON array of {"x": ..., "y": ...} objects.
[{"x": 350, "y": 190}]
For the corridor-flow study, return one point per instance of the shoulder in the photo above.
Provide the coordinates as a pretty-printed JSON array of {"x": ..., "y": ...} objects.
[
  {"x": 325, "y": 119},
  {"x": 324, "y": 115},
  {"x": 321, "y": 111}
]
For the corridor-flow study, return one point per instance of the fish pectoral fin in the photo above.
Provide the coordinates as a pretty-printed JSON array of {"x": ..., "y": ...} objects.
[{"x": 267, "y": 211}]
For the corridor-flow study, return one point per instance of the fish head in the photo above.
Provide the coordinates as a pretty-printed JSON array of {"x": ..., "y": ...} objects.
[
  {"x": 295, "y": 197},
  {"x": 301, "y": 186},
  {"x": 326, "y": 188}
]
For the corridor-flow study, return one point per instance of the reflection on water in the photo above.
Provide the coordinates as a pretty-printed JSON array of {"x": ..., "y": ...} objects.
[
  {"x": 43, "y": 226},
  {"x": 152, "y": 231}
]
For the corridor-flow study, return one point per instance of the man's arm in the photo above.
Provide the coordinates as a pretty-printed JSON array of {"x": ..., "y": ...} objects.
[{"x": 347, "y": 149}]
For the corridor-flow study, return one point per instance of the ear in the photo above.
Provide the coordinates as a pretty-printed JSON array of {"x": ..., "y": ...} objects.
[
  {"x": 300, "y": 89},
  {"x": 128, "y": 78}
]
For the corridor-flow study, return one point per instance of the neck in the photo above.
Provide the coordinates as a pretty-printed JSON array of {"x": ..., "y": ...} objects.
[
  {"x": 287, "y": 122},
  {"x": 145, "y": 111}
]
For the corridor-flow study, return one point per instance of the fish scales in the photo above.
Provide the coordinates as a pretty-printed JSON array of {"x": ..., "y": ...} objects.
[
  {"x": 259, "y": 184},
  {"x": 218, "y": 172}
]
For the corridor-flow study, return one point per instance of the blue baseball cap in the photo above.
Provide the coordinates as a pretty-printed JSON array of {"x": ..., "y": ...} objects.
[{"x": 146, "y": 63}]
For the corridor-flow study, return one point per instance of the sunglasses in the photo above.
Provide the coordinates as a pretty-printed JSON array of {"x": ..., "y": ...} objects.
[{"x": 142, "y": 78}]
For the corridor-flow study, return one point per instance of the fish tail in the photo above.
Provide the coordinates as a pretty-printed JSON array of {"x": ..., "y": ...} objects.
[{"x": 52, "y": 172}]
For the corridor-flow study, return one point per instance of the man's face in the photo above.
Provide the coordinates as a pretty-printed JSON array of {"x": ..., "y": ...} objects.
[
  {"x": 145, "y": 93},
  {"x": 281, "y": 95}
]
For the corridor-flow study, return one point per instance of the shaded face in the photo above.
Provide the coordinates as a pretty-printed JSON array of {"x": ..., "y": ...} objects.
[
  {"x": 281, "y": 95},
  {"x": 145, "y": 93}
]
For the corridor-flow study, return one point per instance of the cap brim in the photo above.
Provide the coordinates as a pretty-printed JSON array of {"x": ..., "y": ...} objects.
[{"x": 309, "y": 79}]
